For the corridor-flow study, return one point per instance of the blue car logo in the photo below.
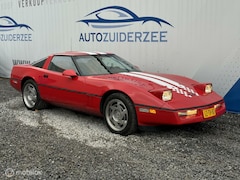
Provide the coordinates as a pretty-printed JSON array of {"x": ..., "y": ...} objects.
[
  {"x": 9, "y": 24},
  {"x": 123, "y": 17}
]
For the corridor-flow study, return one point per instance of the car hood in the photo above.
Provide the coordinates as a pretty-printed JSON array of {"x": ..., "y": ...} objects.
[
  {"x": 150, "y": 81},
  {"x": 186, "y": 93}
]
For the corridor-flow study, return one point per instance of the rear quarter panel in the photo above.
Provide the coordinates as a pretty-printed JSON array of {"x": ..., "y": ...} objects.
[{"x": 22, "y": 72}]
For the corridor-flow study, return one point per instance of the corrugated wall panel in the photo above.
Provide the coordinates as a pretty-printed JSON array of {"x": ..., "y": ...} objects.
[{"x": 202, "y": 42}]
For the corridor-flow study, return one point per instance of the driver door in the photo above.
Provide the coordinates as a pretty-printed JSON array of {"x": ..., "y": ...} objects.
[{"x": 60, "y": 89}]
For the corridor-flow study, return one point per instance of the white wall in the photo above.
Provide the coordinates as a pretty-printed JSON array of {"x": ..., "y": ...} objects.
[{"x": 204, "y": 43}]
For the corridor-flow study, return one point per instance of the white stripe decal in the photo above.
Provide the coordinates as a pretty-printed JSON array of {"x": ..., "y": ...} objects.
[
  {"x": 174, "y": 86},
  {"x": 170, "y": 81},
  {"x": 159, "y": 77},
  {"x": 151, "y": 79},
  {"x": 181, "y": 91}
]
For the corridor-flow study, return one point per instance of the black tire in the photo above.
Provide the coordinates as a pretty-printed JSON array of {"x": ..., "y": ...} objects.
[
  {"x": 31, "y": 96},
  {"x": 120, "y": 114}
]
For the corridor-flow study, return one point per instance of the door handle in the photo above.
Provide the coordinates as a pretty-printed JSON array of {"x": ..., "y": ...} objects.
[{"x": 45, "y": 76}]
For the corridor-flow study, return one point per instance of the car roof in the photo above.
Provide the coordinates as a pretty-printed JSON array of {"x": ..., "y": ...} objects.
[{"x": 79, "y": 53}]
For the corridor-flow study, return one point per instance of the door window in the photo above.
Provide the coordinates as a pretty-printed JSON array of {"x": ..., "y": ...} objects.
[{"x": 61, "y": 63}]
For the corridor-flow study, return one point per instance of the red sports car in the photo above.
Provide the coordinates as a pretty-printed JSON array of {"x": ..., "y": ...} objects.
[{"x": 106, "y": 85}]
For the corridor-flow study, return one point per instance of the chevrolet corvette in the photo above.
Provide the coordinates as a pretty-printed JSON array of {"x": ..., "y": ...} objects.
[{"x": 106, "y": 85}]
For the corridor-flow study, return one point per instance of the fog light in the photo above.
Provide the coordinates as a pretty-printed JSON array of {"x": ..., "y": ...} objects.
[
  {"x": 188, "y": 113},
  {"x": 216, "y": 106}
]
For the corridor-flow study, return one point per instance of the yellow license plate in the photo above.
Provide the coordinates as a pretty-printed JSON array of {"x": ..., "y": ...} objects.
[{"x": 207, "y": 113}]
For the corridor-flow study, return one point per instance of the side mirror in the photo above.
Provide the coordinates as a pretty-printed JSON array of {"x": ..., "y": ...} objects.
[{"x": 71, "y": 73}]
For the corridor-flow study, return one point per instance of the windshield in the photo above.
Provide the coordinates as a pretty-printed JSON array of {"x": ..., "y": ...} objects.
[{"x": 103, "y": 64}]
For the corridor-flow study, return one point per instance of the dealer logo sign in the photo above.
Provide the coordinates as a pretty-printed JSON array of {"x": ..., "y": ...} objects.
[
  {"x": 8, "y": 24},
  {"x": 104, "y": 20}
]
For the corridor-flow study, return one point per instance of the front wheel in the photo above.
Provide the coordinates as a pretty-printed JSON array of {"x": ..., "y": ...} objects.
[
  {"x": 31, "y": 97},
  {"x": 120, "y": 115}
]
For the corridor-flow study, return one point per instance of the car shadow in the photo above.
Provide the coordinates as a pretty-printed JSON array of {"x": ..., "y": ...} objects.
[{"x": 193, "y": 130}]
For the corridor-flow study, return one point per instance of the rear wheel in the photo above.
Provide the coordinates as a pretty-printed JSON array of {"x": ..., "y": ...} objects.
[
  {"x": 120, "y": 115},
  {"x": 31, "y": 97}
]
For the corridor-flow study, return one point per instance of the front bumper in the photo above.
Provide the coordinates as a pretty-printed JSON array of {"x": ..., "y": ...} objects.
[{"x": 152, "y": 116}]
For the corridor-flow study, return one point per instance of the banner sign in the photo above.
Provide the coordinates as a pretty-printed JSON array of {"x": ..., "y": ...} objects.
[{"x": 192, "y": 38}]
